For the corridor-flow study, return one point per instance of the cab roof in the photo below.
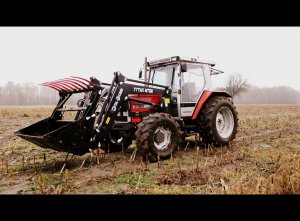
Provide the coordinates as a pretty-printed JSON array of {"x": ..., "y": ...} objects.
[{"x": 176, "y": 59}]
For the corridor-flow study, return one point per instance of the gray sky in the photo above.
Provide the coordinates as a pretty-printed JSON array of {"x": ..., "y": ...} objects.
[{"x": 266, "y": 56}]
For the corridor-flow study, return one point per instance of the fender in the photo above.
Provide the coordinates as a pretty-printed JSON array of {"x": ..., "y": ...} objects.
[{"x": 205, "y": 97}]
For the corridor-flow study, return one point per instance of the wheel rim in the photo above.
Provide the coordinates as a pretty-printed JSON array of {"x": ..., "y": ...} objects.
[
  {"x": 225, "y": 122},
  {"x": 162, "y": 138}
]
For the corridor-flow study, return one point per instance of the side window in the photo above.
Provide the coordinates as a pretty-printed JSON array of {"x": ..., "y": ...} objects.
[
  {"x": 175, "y": 87},
  {"x": 193, "y": 83}
]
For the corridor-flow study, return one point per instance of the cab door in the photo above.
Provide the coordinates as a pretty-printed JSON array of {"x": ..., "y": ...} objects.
[
  {"x": 168, "y": 75},
  {"x": 192, "y": 85}
]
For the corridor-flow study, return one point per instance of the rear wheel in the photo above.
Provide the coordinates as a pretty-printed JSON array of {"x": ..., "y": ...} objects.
[
  {"x": 218, "y": 121},
  {"x": 158, "y": 134}
]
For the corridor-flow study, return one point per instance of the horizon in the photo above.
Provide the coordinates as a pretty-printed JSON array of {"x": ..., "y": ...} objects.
[{"x": 250, "y": 85}]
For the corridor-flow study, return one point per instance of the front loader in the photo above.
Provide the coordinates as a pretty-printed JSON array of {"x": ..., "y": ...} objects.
[{"x": 174, "y": 101}]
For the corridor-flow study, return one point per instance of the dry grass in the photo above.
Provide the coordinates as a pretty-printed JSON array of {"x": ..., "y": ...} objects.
[{"x": 264, "y": 159}]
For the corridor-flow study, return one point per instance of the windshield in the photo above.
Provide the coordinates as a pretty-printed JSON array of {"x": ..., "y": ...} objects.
[{"x": 163, "y": 75}]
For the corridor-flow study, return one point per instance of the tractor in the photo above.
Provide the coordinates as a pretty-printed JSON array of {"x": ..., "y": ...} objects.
[{"x": 173, "y": 99}]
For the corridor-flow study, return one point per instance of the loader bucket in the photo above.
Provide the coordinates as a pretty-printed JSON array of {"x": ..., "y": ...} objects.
[
  {"x": 67, "y": 136},
  {"x": 60, "y": 133}
]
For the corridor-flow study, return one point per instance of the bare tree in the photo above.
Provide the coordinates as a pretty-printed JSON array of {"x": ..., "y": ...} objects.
[{"x": 236, "y": 84}]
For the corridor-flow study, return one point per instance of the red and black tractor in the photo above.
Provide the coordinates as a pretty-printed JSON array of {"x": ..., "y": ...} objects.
[{"x": 174, "y": 100}]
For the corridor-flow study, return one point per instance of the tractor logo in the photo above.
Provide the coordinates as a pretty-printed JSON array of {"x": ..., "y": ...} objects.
[{"x": 143, "y": 90}]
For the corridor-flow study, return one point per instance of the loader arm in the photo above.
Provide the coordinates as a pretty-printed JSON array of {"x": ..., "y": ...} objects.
[{"x": 118, "y": 94}]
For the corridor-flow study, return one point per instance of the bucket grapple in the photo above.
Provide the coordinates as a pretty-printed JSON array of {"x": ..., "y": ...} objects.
[{"x": 55, "y": 132}]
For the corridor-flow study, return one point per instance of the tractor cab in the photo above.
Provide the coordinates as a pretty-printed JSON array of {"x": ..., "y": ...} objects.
[{"x": 187, "y": 79}]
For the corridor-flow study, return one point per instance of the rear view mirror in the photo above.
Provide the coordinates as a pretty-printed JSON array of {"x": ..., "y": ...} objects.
[
  {"x": 140, "y": 74},
  {"x": 183, "y": 67}
]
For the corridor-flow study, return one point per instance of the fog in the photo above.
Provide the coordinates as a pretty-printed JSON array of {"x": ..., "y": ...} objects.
[
  {"x": 31, "y": 94},
  {"x": 267, "y": 56}
]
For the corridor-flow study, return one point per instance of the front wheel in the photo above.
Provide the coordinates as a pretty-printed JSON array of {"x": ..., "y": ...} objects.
[
  {"x": 158, "y": 135},
  {"x": 218, "y": 121}
]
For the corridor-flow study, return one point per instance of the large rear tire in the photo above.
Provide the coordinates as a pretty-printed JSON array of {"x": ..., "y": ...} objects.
[
  {"x": 158, "y": 134},
  {"x": 218, "y": 121}
]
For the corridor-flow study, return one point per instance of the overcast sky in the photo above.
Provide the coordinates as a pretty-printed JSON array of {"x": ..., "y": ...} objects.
[{"x": 266, "y": 56}]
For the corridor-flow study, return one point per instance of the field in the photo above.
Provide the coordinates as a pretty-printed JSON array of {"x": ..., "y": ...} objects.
[{"x": 264, "y": 159}]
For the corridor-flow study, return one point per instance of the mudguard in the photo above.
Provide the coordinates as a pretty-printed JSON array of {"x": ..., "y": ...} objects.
[{"x": 206, "y": 95}]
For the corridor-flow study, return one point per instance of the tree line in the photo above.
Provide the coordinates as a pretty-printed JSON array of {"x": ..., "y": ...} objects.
[
  {"x": 27, "y": 94},
  {"x": 242, "y": 92},
  {"x": 32, "y": 94},
  {"x": 269, "y": 95}
]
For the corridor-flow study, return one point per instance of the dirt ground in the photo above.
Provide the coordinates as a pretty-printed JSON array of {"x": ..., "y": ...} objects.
[{"x": 263, "y": 159}]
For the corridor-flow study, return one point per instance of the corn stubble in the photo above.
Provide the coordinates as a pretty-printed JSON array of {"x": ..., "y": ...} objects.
[{"x": 263, "y": 159}]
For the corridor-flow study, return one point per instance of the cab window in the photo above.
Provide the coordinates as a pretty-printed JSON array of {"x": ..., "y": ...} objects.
[{"x": 193, "y": 83}]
